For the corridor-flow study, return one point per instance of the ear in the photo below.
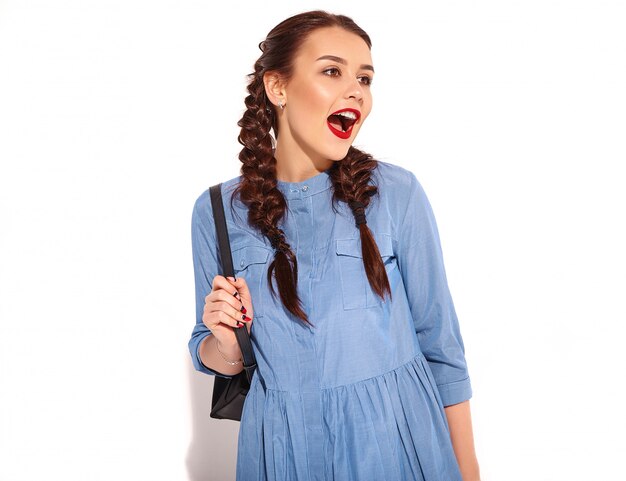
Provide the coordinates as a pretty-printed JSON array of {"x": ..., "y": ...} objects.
[{"x": 274, "y": 88}]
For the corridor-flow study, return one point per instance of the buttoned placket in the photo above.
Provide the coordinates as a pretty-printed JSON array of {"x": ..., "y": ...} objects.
[{"x": 300, "y": 205}]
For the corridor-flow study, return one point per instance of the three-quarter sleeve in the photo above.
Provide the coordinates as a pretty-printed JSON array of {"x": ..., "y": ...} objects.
[
  {"x": 421, "y": 263},
  {"x": 205, "y": 266}
]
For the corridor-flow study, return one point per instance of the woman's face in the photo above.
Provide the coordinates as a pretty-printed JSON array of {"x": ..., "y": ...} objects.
[{"x": 328, "y": 97}]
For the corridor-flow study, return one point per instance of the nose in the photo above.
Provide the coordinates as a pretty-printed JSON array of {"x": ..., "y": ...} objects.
[{"x": 354, "y": 90}]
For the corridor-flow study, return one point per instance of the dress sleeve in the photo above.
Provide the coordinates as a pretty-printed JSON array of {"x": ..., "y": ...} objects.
[
  {"x": 436, "y": 324},
  {"x": 205, "y": 266}
]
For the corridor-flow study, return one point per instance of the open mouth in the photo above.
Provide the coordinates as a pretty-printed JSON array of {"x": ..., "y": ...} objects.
[{"x": 341, "y": 122}]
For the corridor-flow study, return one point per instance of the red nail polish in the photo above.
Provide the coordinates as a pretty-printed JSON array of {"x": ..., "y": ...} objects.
[
  {"x": 239, "y": 324},
  {"x": 243, "y": 309},
  {"x": 235, "y": 293},
  {"x": 246, "y": 318}
]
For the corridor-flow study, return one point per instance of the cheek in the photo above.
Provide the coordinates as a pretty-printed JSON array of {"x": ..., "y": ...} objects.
[
  {"x": 366, "y": 109},
  {"x": 313, "y": 102},
  {"x": 368, "y": 102}
]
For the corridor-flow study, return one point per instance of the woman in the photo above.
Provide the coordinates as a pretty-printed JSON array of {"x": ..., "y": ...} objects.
[{"x": 340, "y": 280}]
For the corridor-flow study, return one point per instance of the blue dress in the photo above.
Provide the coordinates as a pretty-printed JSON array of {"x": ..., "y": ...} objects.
[{"x": 360, "y": 395}]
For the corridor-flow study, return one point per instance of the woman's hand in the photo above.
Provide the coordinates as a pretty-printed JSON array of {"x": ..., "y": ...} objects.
[{"x": 228, "y": 306}]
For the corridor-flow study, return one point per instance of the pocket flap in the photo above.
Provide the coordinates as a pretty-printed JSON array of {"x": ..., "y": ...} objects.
[
  {"x": 247, "y": 255},
  {"x": 349, "y": 247},
  {"x": 352, "y": 247}
]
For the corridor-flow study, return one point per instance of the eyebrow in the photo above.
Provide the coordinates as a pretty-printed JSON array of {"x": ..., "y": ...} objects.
[{"x": 340, "y": 60}]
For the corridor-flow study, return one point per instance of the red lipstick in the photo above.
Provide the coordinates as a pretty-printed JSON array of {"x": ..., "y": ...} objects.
[{"x": 342, "y": 122}]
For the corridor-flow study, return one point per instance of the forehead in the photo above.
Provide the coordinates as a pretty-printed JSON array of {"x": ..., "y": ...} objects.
[{"x": 334, "y": 41}]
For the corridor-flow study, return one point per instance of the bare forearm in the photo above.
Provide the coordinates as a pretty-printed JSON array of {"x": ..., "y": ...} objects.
[
  {"x": 212, "y": 358},
  {"x": 462, "y": 436}
]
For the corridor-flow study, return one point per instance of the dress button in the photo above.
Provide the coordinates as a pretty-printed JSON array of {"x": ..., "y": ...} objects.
[
  {"x": 241, "y": 263},
  {"x": 305, "y": 188}
]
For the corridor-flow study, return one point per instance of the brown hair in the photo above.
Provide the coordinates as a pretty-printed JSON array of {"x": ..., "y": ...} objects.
[{"x": 258, "y": 187}]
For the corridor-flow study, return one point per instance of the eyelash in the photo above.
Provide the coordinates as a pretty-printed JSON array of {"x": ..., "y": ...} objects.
[{"x": 368, "y": 79}]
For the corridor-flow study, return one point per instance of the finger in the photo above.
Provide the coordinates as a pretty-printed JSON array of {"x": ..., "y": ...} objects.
[
  {"x": 240, "y": 285},
  {"x": 225, "y": 288},
  {"x": 225, "y": 306},
  {"x": 218, "y": 318},
  {"x": 239, "y": 309},
  {"x": 223, "y": 295},
  {"x": 244, "y": 293},
  {"x": 220, "y": 282}
]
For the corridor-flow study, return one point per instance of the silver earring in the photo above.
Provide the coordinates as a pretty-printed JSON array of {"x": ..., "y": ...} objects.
[{"x": 281, "y": 104}]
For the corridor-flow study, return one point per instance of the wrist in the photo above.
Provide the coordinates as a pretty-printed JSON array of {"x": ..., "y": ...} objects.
[{"x": 231, "y": 355}]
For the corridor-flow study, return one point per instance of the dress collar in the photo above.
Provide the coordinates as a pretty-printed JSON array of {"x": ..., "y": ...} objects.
[{"x": 311, "y": 186}]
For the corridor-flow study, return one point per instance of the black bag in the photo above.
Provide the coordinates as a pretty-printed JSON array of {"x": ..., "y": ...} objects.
[{"x": 229, "y": 394}]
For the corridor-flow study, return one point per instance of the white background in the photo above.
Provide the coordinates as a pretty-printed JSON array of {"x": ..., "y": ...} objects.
[{"x": 115, "y": 116}]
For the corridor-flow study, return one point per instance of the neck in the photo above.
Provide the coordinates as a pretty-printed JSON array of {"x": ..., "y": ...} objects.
[{"x": 298, "y": 168}]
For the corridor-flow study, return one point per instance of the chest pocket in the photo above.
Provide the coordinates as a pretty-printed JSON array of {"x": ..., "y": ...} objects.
[
  {"x": 356, "y": 290},
  {"x": 250, "y": 262}
]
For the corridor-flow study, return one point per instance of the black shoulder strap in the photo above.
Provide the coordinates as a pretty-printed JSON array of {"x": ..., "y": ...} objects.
[
  {"x": 249, "y": 361},
  {"x": 222, "y": 231}
]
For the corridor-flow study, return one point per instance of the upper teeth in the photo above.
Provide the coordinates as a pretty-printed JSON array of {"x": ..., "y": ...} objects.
[{"x": 347, "y": 114}]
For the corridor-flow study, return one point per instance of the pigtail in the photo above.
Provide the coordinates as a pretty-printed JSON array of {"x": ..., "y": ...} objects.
[
  {"x": 351, "y": 181},
  {"x": 258, "y": 187},
  {"x": 258, "y": 190}
]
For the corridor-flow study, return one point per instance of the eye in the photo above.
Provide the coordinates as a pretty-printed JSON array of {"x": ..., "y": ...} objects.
[
  {"x": 332, "y": 72},
  {"x": 366, "y": 80}
]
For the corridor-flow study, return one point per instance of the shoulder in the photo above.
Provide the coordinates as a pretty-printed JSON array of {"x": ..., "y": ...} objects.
[
  {"x": 202, "y": 208},
  {"x": 396, "y": 182}
]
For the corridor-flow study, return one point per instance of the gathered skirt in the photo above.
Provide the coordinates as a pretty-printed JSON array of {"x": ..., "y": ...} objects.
[{"x": 391, "y": 427}]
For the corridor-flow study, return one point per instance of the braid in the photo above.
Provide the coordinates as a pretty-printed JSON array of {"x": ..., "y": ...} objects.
[
  {"x": 351, "y": 185},
  {"x": 258, "y": 190}
]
